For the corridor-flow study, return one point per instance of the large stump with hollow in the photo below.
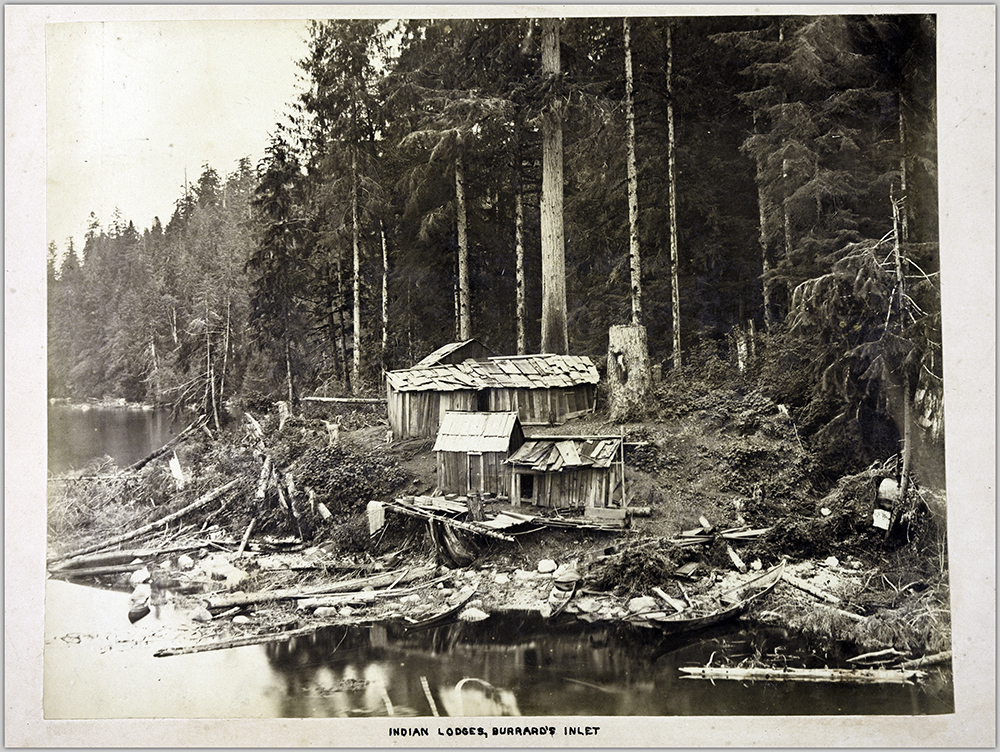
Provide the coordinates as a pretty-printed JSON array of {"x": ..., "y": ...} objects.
[{"x": 628, "y": 372}]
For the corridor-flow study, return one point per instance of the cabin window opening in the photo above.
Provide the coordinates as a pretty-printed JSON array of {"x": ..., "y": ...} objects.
[{"x": 483, "y": 400}]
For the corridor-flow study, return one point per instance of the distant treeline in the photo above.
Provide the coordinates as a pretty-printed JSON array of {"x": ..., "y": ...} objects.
[{"x": 805, "y": 149}]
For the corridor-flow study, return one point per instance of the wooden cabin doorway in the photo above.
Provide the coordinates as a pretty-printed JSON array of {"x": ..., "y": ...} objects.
[{"x": 476, "y": 474}]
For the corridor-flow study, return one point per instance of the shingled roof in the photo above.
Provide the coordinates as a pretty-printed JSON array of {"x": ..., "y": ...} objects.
[
  {"x": 475, "y": 432},
  {"x": 502, "y": 372},
  {"x": 555, "y": 455},
  {"x": 442, "y": 354}
]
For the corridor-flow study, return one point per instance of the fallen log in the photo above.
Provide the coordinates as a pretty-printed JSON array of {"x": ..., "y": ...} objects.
[
  {"x": 348, "y": 400},
  {"x": 246, "y": 537},
  {"x": 842, "y": 612},
  {"x": 200, "y": 502},
  {"x": 927, "y": 660},
  {"x": 856, "y": 676},
  {"x": 867, "y": 657},
  {"x": 120, "y": 557},
  {"x": 166, "y": 447},
  {"x": 97, "y": 571},
  {"x": 811, "y": 589},
  {"x": 360, "y": 595},
  {"x": 238, "y": 642},
  {"x": 267, "y": 596},
  {"x": 255, "y": 428},
  {"x": 480, "y": 529}
]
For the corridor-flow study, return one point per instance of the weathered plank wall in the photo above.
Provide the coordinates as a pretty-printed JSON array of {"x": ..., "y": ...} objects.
[
  {"x": 587, "y": 487},
  {"x": 414, "y": 415},
  {"x": 453, "y": 473},
  {"x": 543, "y": 407}
]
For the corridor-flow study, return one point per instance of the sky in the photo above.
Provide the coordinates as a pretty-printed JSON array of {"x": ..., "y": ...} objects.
[{"x": 136, "y": 107}]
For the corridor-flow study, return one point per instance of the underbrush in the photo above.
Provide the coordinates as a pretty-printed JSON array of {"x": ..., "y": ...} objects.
[{"x": 104, "y": 501}]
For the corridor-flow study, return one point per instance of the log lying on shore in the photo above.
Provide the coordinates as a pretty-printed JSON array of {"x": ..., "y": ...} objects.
[
  {"x": 114, "y": 541},
  {"x": 348, "y": 400},
  {"x": 238, "y": 642},
  {"x": 111, "y": 558},
  {"x": 927, "y": 660},
  {"x": 169, "y": 445},
  {"x": 856, "y": 676},
  {"x": 266, "y": 596},
  {"x": 104, "y": 571},
  {"x": 361, "y": 595},
  {"x": 811, "y": 589}
]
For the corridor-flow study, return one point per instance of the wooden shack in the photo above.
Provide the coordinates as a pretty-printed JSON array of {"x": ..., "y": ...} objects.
[
  {"x": 541, "y": 389},
  {"x": 570, "y": 472},
  {"x": 471, "y": 450}
]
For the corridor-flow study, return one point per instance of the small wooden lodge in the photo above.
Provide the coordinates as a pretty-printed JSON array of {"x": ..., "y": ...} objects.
[
  {"x": 471, "y": 450},
  {"x": 571, "y": 472},
  {"x": 541, "y": 389}
]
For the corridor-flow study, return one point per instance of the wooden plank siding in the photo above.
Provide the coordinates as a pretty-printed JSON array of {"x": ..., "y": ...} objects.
[
  {"x": 543, "y": 407},
  {"x": 418, "y": 415},
  {"x": 587, "y": 487},
  {"x": 453, "y": 473}
]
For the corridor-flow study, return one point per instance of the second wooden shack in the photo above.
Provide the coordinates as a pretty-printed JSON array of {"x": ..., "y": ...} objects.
[
  {"x": 583, "y": 472},
  {"x": 471, "y": 448}
]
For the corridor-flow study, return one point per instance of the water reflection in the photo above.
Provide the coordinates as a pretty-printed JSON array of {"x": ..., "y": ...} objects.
[
  {"x": 76, "y": 435},
  {"x": 98, "y": 665},
  {"x": 522, "y": 665}
]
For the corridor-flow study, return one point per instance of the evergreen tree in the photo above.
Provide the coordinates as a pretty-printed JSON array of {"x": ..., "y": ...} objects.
[{"x": 278, "y": 265}]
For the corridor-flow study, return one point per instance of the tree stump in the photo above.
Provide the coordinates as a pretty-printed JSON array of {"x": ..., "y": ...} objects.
[{"x": 628, "y": 372}]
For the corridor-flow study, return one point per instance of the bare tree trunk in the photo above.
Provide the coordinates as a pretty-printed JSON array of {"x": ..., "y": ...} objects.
[
  {"x": 635, "y": 260},
  {"x": 904, "y": 227},
  {"x": 464, "y": 317},
  {"x": 904, "y": 475},
  {"x": 675, "y": 295},
  {"x": 385, "y": 300},
  {"x": 555, "y": 335},
  {"x": 522, "y": 344},
  {"x": 210, "y": 371},
  {"x": 342, "y": 339},
  {"x": 155, "y": 371},
  {"x": 335, "y": 338},
  {"x": 225, "y": 350},
  {"x": 289, "y": 383},
  {"x": 356, "y": 242}
]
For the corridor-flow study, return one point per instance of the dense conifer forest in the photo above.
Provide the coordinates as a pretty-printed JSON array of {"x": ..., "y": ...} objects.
[{"x": 784, "y": 200}]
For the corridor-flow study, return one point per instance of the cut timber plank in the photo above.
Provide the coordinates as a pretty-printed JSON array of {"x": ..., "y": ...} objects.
[
  {"x": 735, "y": 558},
  {"x": 677, "y": 605}
]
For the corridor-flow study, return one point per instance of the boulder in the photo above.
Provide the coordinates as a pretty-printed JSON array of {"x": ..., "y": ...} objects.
[
  {"x": 546, "y": 566},
  {"x": 201, "y": 614},
  {"x": 139, "y": 576},
  {"x": 642, "y": 603},
  {"x": 472, "y": 615}
]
